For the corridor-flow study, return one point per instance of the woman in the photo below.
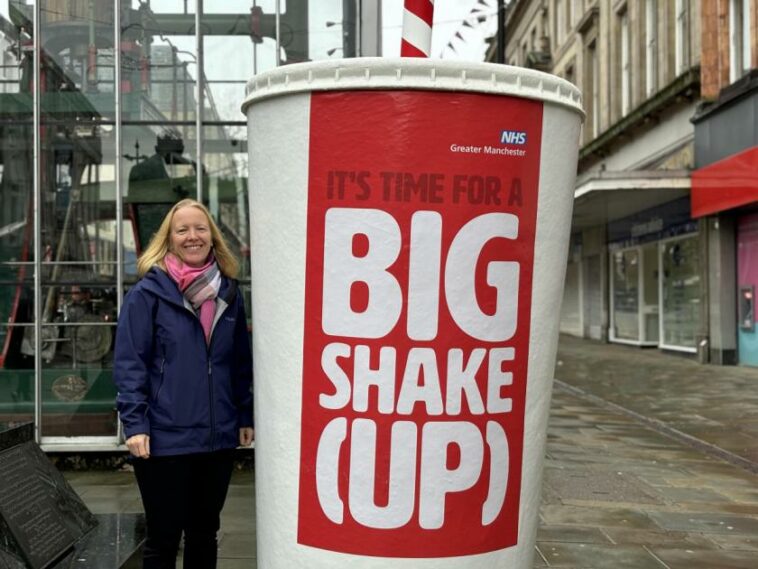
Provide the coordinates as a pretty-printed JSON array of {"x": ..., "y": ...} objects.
[{"x": 183, "y": 372}]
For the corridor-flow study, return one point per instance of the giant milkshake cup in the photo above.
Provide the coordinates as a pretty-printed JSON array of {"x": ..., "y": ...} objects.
[{"x": 409, "y": 224}]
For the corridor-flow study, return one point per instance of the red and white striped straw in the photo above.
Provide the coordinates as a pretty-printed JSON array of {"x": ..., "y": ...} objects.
[{"x": 417, "y": 28}]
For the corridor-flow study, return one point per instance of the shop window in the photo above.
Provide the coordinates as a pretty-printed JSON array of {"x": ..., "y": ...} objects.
[
  {"x": 625, "y": 296},
  {"x": 681, "y": 293}
]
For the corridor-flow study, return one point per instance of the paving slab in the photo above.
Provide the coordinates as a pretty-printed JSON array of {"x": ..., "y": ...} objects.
[
  {"x": 571, "y": 534},
  {"x": 659, "y": 537},
  {"x": 736, "y": 542},
  {"x": 236, "y": 545},
  {"x": 706, "y": 522},
  {"x": 696, "y": 559},
  {"x": 598, "y": 556}
]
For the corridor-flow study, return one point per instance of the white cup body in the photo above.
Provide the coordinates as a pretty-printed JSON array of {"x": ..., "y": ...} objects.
[{"x": 408, "y": 246}]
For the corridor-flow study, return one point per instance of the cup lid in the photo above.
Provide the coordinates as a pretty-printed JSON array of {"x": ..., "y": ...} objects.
[{"x": 412, "y": 73}]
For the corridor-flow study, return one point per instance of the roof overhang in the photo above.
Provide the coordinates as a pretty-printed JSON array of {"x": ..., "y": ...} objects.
[
  {"x": 726, "y": 184},
  {"x": 608, "y": 196}
]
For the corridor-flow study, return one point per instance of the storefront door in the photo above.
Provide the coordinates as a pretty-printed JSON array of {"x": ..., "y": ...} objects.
[
  {"x": 747, "y": 285},
  {"x": 634, "y": 295}
]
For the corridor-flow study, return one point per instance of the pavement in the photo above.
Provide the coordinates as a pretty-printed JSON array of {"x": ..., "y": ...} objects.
[{"x": 652, "y": 462}]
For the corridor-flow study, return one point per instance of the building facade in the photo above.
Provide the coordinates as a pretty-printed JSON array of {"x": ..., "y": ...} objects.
[
  {"x": 645, "y": 268},
  {"x": 110, "y": 112},
  {"x": 725, "y": 182}
]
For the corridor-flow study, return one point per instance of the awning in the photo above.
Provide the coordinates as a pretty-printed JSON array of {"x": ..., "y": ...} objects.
[
  {"x": 726, "y": 184},
  {"x": 602, "y": 197}
]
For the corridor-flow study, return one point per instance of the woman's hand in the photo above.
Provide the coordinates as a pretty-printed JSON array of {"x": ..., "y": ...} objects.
[
  {"x": 247, "y": 436},
  {"x": 139, "y": 445}
]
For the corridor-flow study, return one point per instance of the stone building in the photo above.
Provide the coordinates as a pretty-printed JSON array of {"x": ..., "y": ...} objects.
[{"x": 641, "y": 267}]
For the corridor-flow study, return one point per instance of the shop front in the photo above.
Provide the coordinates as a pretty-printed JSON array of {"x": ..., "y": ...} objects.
[
  {"x": 655, "y": 278},
  {"x": 747, "y": 286},
  {"x": 725, "y": 196}
]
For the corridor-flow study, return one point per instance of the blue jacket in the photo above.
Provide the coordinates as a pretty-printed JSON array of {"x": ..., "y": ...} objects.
[{"x": 188, "y": 396}]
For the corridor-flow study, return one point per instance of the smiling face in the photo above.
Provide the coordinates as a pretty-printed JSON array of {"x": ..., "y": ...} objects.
[{"x": 191, "y": 238}]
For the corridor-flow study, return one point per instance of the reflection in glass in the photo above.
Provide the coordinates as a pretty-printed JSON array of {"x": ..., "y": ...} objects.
[
  {"x": 16, "y": 222},
  {"x": 159, "y": 169},
  {"x": 571, "y": 317},
  {"x": 77, "y": 59},
  {"x": 158, "y": 61},
  {"x": 158, "y": 158},
  {"x": 226, "y": 194},
  {"x": 77, "y": 353},
  {"x": 681, "y": 292},
  {"x": 650, "y": 306},
  {"x": 626, "y": 295}
]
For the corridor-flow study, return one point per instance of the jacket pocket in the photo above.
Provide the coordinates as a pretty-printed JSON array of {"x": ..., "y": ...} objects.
[{"x": 160, "y": 380}]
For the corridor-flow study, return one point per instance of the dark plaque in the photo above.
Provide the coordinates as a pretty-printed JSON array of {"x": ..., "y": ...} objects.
[
  {"x": 40, "y": 515},
  {"x": 29, "y": 512}
]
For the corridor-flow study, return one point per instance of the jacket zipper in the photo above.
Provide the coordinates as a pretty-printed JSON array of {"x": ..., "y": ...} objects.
[
  {"x": 210, "y": 376},
  {"x": 210, "y": 394}
]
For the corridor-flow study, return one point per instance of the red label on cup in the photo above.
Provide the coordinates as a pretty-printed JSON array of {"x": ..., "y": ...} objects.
[{"x": 420, "y": 246}]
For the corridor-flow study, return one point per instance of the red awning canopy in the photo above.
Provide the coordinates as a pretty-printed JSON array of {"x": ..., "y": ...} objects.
[{"x": 726, "y": 184}]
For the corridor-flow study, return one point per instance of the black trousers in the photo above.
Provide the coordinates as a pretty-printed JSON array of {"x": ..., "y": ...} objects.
[{"x": 183, "y": 494}]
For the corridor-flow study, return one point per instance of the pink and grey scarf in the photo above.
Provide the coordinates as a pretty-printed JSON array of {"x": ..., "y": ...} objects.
[{"x": 199, "y": 285}]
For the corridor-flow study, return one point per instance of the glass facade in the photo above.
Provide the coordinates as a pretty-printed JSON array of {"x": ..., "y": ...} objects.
[
  {"x": 625, "y": 298},
  {"x": 656, "y": 294},
  {"x": 110, "y": 112},
  {"x": 681, "y": 293}
]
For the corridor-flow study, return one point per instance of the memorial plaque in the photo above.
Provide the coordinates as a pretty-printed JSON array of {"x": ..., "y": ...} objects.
[
  {"x": 41, "y": 517},
  {"x": 29, "y": 512}
]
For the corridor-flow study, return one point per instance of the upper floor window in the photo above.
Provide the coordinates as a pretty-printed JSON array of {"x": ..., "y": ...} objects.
[
  {"x": 739, "y": 38},
  {"x": 625, "y": 61},
  {"x": 592, "y": 84},
  {"x": 682, "y": 47},
  {"x": 651, "y": 46}
]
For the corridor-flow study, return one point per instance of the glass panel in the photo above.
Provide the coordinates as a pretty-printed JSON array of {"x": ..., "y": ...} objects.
[
  {"x": 17, "y": 343},
  {"x": 77, "y": 62},
  {"x": 158, "y": 61},
  {"x": 16, "y": 201},
  {"x": 626, "y": 295},
  {"x": 226, "y": 196},
  {"x": 78, "y": 188},
  {"x": 77, "y": 213},
  {"x": 570, "y": 307},
  {"x": 158, "y": 169},
  {"x": 78, "y": 395},
  {"x": 650, "y": 291},
  {"x": 681, "y": 292}
]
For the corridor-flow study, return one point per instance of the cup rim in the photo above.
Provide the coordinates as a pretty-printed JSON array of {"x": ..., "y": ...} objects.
[{"x": 382, "y": 73}]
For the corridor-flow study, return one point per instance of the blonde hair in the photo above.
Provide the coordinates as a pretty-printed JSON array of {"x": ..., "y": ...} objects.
[{"x": 159, "y": 245}]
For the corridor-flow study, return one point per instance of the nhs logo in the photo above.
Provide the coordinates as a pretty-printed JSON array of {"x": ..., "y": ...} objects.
[{"x": 513, "y": 137}]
